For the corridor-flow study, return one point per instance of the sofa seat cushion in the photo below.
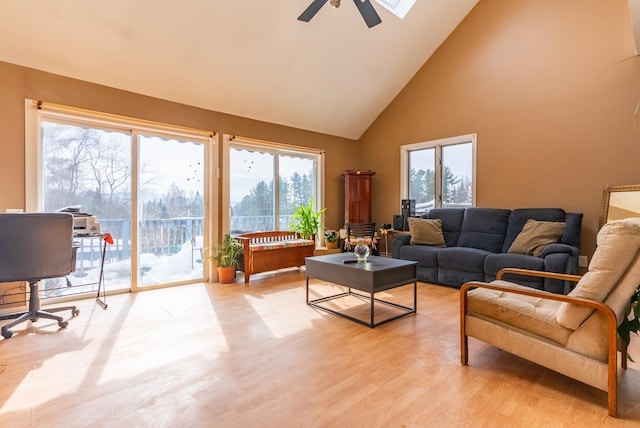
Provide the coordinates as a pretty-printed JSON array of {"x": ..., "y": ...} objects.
[
  {"x": 533, "y": 314},
  {"x": 281, "y": 244},
  {"x": 426, "y": 256},
  {"x": 494, "y": 262},
  {"x": 462, "y": 259}
]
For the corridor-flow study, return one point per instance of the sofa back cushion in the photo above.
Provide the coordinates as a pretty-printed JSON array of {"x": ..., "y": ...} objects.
[
  {"x": 614, "y": 272},
  {"x": 451, "y": 223},
  {"x": 519, "y": 217},
  {"x": 484, "y": 228}
]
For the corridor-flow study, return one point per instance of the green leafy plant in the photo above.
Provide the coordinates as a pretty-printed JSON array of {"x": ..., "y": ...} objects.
[
  {"x": 631, "y": 321},
  {"x": 228, "y": 253},
  {"x": 306, "y": 221},
  {"x": 330, "y": 236}
]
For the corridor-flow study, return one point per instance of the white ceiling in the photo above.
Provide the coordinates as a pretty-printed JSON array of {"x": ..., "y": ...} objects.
[{"x": 250, "y": 58}]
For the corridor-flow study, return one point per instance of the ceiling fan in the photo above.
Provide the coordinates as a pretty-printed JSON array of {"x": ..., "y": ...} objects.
[{"x": 365, "y": 7}]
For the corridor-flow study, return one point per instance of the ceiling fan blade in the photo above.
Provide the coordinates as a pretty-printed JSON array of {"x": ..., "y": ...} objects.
[
  {"x": 311, "y": 10},
  {"x": 368, "y": 12}
]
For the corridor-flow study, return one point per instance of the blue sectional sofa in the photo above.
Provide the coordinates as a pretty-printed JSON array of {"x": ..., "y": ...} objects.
[{"x": 477, "y": 244}]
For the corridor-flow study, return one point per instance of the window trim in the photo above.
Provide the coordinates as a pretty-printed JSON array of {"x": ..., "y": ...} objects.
[{"x": 438, "y": 145}]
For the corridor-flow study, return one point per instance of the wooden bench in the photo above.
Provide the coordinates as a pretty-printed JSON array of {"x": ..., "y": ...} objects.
[{"x": 273, "y": 250}]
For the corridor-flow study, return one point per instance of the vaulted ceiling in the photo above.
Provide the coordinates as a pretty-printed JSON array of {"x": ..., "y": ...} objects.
[{"x": 250, "y": 58}]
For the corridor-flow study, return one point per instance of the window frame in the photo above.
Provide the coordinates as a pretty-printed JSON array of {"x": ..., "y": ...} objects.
[
  {"x": 438, "y": 145},
  {"x": 247, "y": 143},
  {"x": 36, "y": 111}
]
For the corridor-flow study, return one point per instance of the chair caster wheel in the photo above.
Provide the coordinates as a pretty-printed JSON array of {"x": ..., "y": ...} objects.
[
  {"x": 7, "y": 333},
  {"x": 63, "y": 324},
  {"x": 75, "y": 312}
]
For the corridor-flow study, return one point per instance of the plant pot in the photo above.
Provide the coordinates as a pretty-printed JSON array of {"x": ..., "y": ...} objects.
[
  {"x": 226, "y": 275},
  {"x": 332, "y": 245}
]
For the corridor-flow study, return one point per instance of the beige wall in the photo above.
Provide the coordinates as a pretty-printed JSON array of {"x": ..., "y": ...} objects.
[
  {"x": 541, "y": 83},
  {"x": 18, "y": 83}
]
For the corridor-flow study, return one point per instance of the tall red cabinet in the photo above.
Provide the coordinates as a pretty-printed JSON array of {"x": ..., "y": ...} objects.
[{"x": 357, "y": 195}]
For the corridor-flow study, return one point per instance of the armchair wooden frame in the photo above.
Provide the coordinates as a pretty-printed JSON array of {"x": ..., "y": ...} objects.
[{"x": 612, "y": 322}]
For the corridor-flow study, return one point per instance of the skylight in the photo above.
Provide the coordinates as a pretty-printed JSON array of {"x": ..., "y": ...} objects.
[{"x": 397, "y": 7}]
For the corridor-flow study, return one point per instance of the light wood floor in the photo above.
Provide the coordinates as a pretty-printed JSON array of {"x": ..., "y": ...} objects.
[{"x": 212, "y": 355}]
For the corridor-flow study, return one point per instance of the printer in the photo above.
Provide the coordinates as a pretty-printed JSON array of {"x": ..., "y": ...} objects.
[{"x": 83, "y": 223}]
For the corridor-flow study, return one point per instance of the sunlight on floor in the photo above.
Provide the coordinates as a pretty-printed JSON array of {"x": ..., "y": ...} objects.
[
  {"x": 29, "y": 392},
  {"x": 278, "y": 321}
]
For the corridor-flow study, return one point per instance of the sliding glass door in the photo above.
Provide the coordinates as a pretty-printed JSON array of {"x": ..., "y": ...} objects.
[
  {"x": 171, "y": 200},
  {"x": 147, "y": 190},
  {"x": 88, "y": 169}
]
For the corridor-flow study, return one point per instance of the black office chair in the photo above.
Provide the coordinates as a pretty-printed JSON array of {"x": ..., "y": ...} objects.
[
  {"x": 36, "y": 246},
  {"x": 361, "y": 231}
]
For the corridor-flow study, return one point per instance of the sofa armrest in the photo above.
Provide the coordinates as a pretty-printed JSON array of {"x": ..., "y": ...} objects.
[
  {"x": 398, "y": 241},
  {"x": 559, "y": 248}
]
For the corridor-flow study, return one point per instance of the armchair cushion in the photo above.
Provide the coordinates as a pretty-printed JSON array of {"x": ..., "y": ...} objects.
[
  {"x": 536, "y": 235},
  {"x": 426, "y": 232},
  {"x": 533, "y": 314},
  {"x": 613, "y": 265}
]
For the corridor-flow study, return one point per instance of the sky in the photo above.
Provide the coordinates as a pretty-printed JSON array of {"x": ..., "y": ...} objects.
[
  {"x": 172, "y": 161},
  {"x": 248, "y": 168}
]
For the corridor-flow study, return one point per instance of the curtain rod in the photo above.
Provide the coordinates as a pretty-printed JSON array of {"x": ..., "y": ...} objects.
[
  {"x": 120, "y": 120},
  {"x": 274, "y": 144}
]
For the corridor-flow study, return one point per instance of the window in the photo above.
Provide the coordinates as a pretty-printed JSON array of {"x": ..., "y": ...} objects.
[
  {"x": 144, "y": 182},
  {"x": 266, "y": 182},
  {"x": 439, "y": 173}
]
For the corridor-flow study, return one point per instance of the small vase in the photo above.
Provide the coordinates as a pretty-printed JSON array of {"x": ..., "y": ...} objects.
[{"x": 362, "y": 251}]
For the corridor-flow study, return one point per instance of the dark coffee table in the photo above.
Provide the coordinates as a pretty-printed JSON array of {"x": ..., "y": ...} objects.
[{"x": 375, "y": 275}]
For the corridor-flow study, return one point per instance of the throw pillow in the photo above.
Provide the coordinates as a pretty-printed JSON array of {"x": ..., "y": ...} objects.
[
  {"x": 536, "y": 235},
  {"x": 426, "y": 232}
]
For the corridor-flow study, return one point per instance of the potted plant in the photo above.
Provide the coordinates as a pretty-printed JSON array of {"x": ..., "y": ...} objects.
[
  {"x": 306, "y": 221},
  {"x": 226, "y": 257},
  {"x": 331, "y": 239},
  {"x": 630, "y": 322}
]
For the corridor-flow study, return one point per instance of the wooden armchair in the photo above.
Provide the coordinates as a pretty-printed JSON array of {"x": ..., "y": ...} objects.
[{"x": 575, "y": 335}]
